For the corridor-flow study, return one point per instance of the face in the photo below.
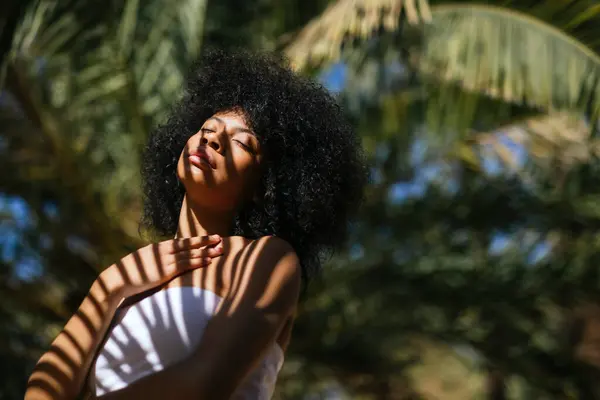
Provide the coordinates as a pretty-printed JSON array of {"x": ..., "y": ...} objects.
[{"x": 220, "y": 165}]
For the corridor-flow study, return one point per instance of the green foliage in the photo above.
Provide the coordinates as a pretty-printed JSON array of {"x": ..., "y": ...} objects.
[{"x": 459, "y": 281}]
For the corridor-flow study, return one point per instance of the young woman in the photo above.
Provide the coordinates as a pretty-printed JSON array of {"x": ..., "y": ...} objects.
[{"x": 256, "y": 173}]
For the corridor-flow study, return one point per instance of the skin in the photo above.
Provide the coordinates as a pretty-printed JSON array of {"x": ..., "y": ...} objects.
[{"x": 258, "y": 280}]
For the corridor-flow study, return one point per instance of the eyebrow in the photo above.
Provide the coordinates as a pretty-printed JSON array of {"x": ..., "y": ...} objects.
[{"x": 236, "y": 130}]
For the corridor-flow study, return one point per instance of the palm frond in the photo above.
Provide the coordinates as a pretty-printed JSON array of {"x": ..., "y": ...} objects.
[
  {"x": 511, "y": 56},
  {"x": 558, "y": 140},
  {"x": 103, "y": 86},
  {"x": 323, "y": 38},
  {"x": 494, "y": 51}
]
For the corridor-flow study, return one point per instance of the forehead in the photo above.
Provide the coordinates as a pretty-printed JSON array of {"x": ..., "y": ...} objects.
[{"x": 233, "y": 119}]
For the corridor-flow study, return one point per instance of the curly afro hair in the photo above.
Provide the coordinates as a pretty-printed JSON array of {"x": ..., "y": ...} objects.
[{"x": 314, "y": 170}]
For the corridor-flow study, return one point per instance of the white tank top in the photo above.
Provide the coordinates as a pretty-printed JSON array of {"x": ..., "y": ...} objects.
[{"x": 163, "y": 329}]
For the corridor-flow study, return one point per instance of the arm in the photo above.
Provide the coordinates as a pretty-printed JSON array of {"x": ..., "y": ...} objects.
[
  {"x": 61, "y": 372},
  {"x": 264, "y": 293}
]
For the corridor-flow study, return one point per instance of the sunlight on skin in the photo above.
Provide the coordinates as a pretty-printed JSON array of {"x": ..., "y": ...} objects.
[
  {"x": 61, "y": 372},
  {"x": 263, "y": 290},
  {"x": 266, "y": 297},
  {"x": 219, "y": 167},
  {"x": 260, "y": 281}
]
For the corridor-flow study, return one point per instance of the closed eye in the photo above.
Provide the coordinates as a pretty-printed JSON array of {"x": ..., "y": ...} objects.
[{"x": 245, "y": 146}]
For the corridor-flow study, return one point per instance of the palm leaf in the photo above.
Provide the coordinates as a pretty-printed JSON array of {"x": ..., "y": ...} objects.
[
  {"x": 471, "y": 52},
  {"x": 98, "y": 99},
  {"x": 494, "y": 51},
  {"x": 561, "y": 139},
  {"x": 511, "y": 56},
  {"x": 322, "y": 39}
]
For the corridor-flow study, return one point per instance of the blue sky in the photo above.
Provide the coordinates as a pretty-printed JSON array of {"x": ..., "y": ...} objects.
[{"x": 334, "y": 78}]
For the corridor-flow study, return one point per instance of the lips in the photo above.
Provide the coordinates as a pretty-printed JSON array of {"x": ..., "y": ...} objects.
[{"x": 201, "y": 158}]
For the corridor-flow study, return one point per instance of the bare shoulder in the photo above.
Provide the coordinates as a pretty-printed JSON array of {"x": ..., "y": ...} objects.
[
  {"x": 272, "y": 252},
  {"x": 268, "y": 264},
  {"x": 274, "y": 245}
]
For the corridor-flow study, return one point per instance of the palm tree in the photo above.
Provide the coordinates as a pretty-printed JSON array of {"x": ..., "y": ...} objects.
[{"x": 538, "y": 55}]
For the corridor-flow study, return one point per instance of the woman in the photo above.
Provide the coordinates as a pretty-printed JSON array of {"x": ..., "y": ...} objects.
[{"x": 256, "y": 173}]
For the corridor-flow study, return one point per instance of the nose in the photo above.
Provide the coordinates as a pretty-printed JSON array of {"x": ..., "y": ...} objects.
[{"x": 211, "y": 139}]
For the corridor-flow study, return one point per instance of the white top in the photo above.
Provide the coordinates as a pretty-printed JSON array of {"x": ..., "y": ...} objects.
[{"x": 163, "y": 329}]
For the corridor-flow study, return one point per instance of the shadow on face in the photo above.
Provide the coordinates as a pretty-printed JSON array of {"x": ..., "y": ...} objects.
[{"x": 220, "y": 164}]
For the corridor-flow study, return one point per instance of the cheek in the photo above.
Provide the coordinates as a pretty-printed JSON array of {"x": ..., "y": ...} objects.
[
  {"x": 181, "y": 168},
  {"x": 238, "y": 159},
  {"x": 247, "y": 170}
]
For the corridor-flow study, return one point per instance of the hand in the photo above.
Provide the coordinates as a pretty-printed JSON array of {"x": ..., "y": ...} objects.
[{"x": 158, "y": 263}]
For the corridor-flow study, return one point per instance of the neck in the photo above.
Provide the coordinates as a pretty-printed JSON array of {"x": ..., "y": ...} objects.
[{"x": 195, "y": 220}]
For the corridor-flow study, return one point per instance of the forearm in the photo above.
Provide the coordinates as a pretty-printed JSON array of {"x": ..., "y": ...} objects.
[{"x": 60, "y": 373}]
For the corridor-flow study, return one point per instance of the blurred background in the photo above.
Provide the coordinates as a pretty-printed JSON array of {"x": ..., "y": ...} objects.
[{"x": 473, "y": 270}]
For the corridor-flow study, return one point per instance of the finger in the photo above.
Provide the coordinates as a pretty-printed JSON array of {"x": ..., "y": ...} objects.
[
  {"x": 198, "y": 241},
  {"x": 199, "y": 253},
  {"x": 176, "y": 245}
]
